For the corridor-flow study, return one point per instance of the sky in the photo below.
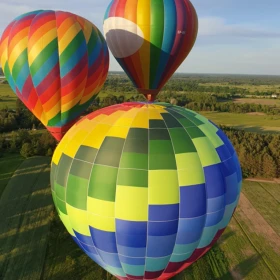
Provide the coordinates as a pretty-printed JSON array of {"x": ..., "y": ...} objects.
[{"x": 235, "y": 36}]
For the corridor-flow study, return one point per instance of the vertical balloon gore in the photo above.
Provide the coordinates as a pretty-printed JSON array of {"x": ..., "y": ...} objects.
[
  {"x": 56, "y": 62},
  {"x": 150, "y": 39}
]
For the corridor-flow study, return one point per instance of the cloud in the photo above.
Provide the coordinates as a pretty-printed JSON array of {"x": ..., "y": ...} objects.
[{"x": 217, "y": 26}]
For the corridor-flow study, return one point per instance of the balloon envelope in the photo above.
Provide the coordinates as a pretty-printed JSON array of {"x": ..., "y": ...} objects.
[
  {"x": 145, "y": 190},
  {"x": 56, "y": 62},
  {"x": 150, "y": 39}
]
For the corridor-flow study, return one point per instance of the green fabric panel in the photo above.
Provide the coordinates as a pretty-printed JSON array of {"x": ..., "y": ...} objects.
[
  {"x": 71, "y": 48},
  {"x": 110, "y": 152},
  {"x": 138, "y": 133},
  {"x": 76, "y": 192},
  {"x": 181, "y": 140},
  {"x": 55, "y": 120},
  {"x": 186, "y": 123},
  {"x": 64, "y": 166},
  {"x": 81, "y": 169},
  {"x": 159, "y": 134},
  {"x": 133, "y": 178},
  {"x": 161, "y": 155},
  {"x": 43, "y": 56},
  {"x": 157, "y": 124},
  {"x": 195, "y": 132},
  {"x": 156, "y": 37},
  {"x": 53, "y": 172},
  {"x": 60, "y": 192},
  {"x": 61, "y": 205},
  {"x": 134, "y": 160},
  {"x": 170, "y": 121},
  {"x": 135, "y": 145},
  {"x": 92, "y": 42},
  {"x": 86, "y": 153},
  {"x": 103, "y": 183},
  {"x": 21, "y": 60}
]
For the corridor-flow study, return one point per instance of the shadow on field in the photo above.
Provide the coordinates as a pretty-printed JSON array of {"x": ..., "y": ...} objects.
[
  {"x": 256, "y": 129},
  {"x": 25, "y": 208},
  {"x": 243, "y": 269}
]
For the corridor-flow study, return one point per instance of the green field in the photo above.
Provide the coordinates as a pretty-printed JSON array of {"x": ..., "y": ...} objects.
[
  {"x": 262, "y": 101},
  {"x": 248, "y": 122},
  {"x": 35, "y": 245},
  {"x": 7, "y": 97}
]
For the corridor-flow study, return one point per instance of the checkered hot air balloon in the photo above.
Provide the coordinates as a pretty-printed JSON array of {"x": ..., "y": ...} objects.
[
  {"x": 56, "y": 63},
  {"x": 150, "y": 39},
  {"x": 145, "y": 189}
]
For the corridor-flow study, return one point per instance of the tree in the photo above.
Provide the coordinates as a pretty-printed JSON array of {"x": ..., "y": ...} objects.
[{"x": 26, "y": 150}]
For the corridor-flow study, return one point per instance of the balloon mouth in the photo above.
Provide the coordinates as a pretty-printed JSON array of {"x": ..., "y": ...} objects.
[
  {"x": 150, "y": 94},
  {"x": 59, "y": 132}
]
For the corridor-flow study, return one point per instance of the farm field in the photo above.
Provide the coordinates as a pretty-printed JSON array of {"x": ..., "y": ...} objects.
[
  {"x": 7, "y": 97},
  {"x": 249, "y": 122},
  {"x": 261, "y": 101},
  {"x": 250, "y": 88},
  {"x": 35, "y": 245}
]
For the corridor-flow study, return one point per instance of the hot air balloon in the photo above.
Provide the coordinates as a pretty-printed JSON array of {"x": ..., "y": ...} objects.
[
  {"x": 56, "y": 63},
  {"x": 150, "y": 39},
  {"x": 145, "y": 189}
]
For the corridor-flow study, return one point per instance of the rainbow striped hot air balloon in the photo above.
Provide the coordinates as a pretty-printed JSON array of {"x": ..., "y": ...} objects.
[
  {"x": 56, "y": 62},
  {"x": 150, "y": 39}
]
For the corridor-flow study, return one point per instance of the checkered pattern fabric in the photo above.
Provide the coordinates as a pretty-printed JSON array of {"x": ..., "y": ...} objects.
[{"x": 145, "y": 189}]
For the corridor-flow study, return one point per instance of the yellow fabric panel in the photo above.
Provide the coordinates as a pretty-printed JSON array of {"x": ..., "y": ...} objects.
[
  {"x": 111, "y": 119},
  {"x": 154, "y": 114},
  {"x": 210, "y": 132},
  {"x": 123, "y": 121},
  {"x": 75, "y": 143},
  {"x": 59, "y": 149},
  {"x": 159, "y": 108},
  {"x": 102, "y": 223},
  {"x": 131, "y": 113},
  {"x": 20, "y": 46},
  {"x": 163, "y": 187},
  {"x": 73, "y": 30},
  {"x": 87, "y": 29},
  {"x": 96, "y": 137},
  {"x": 78, "y": 219},
  {"x": 42, "y": 43},
  {"x": 100, "y": 118},
  {"x": 69, "y": 105},
  {"x": 4, "y": 52},
  {"x": 131, "y": 203},
  {"x": 118, "y": 131},
  {"x": 65, "y": 219},
  {"x": 101, "y": 207},
  {"x": 141, "y": 120},
  {"x": 190, "y": 171},
  {"x": 143, "y": 21},
  {"x": 206, "y": 151}
]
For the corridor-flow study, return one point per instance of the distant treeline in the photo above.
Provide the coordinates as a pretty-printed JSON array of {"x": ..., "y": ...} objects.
[
  {"x": 194, "y": 101},
  {"x": 192, "y": 84}
]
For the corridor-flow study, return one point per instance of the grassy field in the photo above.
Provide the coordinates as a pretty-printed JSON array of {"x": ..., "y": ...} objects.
[
  {"x": 7, "y": 97},
  {"x": 8, "y": 166},
  {"x": 248, "y": 122},
  {"x": 261, "y": 101},
  {"x": 35, "y": 245}
]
